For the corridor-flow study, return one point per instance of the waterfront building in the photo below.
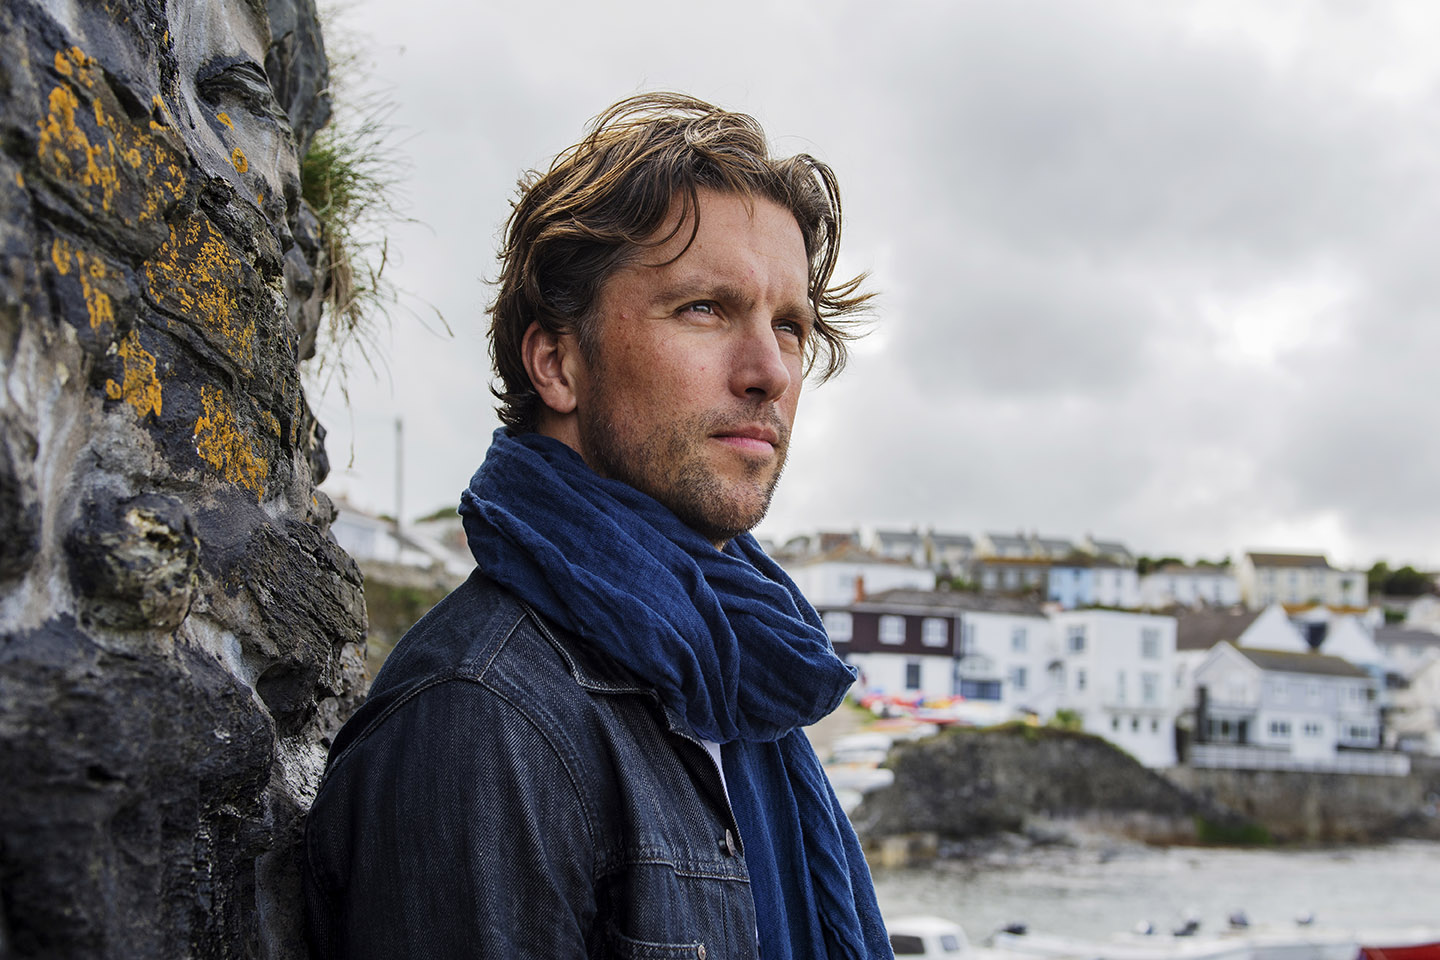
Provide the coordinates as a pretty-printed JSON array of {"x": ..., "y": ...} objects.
[
  {"x": 1196, "y": 634},
  {"x": 1284, "y": 708},
  {"x": 1407, "y": 649},
  {"x": 1114, "y": 670},
  {"x": 935, "y": 644},
  {"x": 1415, "y": 711}
]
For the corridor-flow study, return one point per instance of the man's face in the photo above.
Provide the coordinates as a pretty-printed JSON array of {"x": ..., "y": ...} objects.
[{"x": 690, "y": 388}]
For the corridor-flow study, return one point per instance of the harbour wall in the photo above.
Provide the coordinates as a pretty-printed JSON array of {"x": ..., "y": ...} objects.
[
  {"x": 966, "y": 784},
  {"x": 1310, "y": 807}
]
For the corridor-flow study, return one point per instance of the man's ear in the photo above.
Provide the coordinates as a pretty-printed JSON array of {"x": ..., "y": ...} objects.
[{"x": 552, "y": 360}]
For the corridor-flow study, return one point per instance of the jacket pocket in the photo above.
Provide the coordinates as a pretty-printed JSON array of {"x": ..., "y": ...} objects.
[{"x": 632, "y": 949}]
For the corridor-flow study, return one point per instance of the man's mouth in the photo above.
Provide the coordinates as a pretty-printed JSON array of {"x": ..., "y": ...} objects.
[{"x": 751, "y": 438}]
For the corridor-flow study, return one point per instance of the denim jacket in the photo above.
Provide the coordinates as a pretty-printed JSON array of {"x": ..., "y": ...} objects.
[{"x": 506, "y": 791}]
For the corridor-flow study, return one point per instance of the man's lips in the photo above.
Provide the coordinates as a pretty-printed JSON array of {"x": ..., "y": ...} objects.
[{"x": 756, "y": 439}]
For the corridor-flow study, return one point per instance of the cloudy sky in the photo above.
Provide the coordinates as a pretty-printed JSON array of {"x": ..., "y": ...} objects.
[{"x": 1163, "y": 272}]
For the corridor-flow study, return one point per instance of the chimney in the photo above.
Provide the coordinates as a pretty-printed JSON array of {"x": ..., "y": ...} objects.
[{"x": 860, "y": 588}]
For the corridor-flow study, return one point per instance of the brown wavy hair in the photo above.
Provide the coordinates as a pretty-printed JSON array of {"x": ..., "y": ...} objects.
[{"x": 606, "y": 198}]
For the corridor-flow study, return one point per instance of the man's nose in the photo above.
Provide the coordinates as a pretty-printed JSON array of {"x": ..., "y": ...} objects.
[{"x": 762, "y": 368}]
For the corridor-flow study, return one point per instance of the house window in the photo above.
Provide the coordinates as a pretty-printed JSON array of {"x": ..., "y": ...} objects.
[
  {"x": 1312, "y": 729},
  {"x": 1120, "y": 687},
  {"x": 1279, "y": 728},
  {"x": 1018, "y": 639},
  {"x": 1134, "y": 724},
  {"x": 1012, "y": 578},
  {"x": 933, "y": 632},
  {"x": 840, "y": 626},
  {"x": 1115, "y": 723},
  {"x": 892, "y": 629},
  {"x": 1075, "y": 638},
  {"x": 1149, "y": 687},
  {"x": 912, "y": 674},
  {"x": 1018, "y": 678},
  {"x": 1150, "y": 644},
  {"x": 1154, "y": 725},
  {"x": 980, "y": 689},
  {"x": 1079, "y": 679}
]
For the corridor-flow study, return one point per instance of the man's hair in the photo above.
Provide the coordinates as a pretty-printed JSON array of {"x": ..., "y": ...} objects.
[{"x": 606, "y": 198}]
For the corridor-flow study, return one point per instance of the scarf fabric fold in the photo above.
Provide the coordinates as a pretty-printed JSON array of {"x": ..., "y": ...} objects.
[{"x": 728, "y": 643}]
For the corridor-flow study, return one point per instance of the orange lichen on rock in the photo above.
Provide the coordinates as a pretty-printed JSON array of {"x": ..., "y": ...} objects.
[
  {"x": 196, "y": 274},
  {"x": 66, "y": 152},
  {"x": 224, "y": 118},
  {"x": 237, "y": 157},
  {"x": 91, "y": 272},
  {"x": 220, "y": 442},
  {"x": 140, "y": 387}
]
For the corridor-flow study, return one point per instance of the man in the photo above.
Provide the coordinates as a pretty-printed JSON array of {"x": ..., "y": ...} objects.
[{"x": 592, "y": 748}]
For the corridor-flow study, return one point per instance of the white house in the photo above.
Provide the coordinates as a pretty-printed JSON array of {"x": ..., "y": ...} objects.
[
  {"x": 951, "y": 553},
  {"x": 1415, "y": 717},
  {"x": 838, "y": 576},
  {"x": 1023, "y": 546},
  {"x": 1298, "y": 580},
  {"x": 1424, "y": 614},
  {"x": 1407, "y": 649},
  {"x": 938, "y": 643},
  {"x": 370, "y": 539},
  {"x": 1178, "y": 585},
  {"x": 1112, "y": 550},
  {"x": 1196, "y": 633},
  {"x": 905, "y": 545},
  {"x": 1272, "y": 629},
  {"x": 1114, "y": 670},
  {"x": 1283, "y": 707}
]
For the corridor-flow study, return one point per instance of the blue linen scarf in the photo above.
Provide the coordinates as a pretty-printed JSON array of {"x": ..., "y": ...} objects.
[{"x": 727, "y": 641}]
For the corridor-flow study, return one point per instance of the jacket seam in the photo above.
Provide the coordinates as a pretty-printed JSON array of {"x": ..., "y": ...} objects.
[
  {"x": 389, "y": 711},
  {"x": 587, "y": 814}
]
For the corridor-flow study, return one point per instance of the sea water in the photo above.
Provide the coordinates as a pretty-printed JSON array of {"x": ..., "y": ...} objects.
[{"x": 1095, "y": 890}]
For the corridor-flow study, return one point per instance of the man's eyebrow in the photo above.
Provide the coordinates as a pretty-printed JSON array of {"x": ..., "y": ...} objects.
[{"x": 700, "y": 288}]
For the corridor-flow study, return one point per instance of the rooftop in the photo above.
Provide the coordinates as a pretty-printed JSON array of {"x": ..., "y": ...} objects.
[
  {"x": 1316, "y": 560},
  {"x": 1314, "y": 663},
  {"x": 1202, "y": 629},
  {"x": 948, "y": 601},
  {"x": 1407, "y": 635}
]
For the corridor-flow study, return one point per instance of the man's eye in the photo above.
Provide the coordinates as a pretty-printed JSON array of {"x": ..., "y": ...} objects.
[
  {"x": 791, "y": 327},
  {"x": 707, "y": 308}
]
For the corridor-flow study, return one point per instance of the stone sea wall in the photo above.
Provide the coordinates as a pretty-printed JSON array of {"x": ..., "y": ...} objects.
[
  {"x": 1303, "y": 807},
  {"x": 179, "y": 635}
]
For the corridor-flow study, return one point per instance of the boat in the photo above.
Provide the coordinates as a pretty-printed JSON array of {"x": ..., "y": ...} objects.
[
  {"x": 1403, "y": 951},
  {"x": 929, "y": 938}
]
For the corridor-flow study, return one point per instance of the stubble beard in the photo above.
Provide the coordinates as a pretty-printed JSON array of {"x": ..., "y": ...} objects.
[{"x": 670, "y": 464}]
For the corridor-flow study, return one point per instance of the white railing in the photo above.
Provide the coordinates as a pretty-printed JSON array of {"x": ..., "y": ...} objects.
[{"x": 1237, "y": 757}]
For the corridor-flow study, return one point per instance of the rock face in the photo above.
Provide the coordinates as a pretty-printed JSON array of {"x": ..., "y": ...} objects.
[
  {"x": 179, "y": 635},
  {"x": 967, "y": 782}
]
